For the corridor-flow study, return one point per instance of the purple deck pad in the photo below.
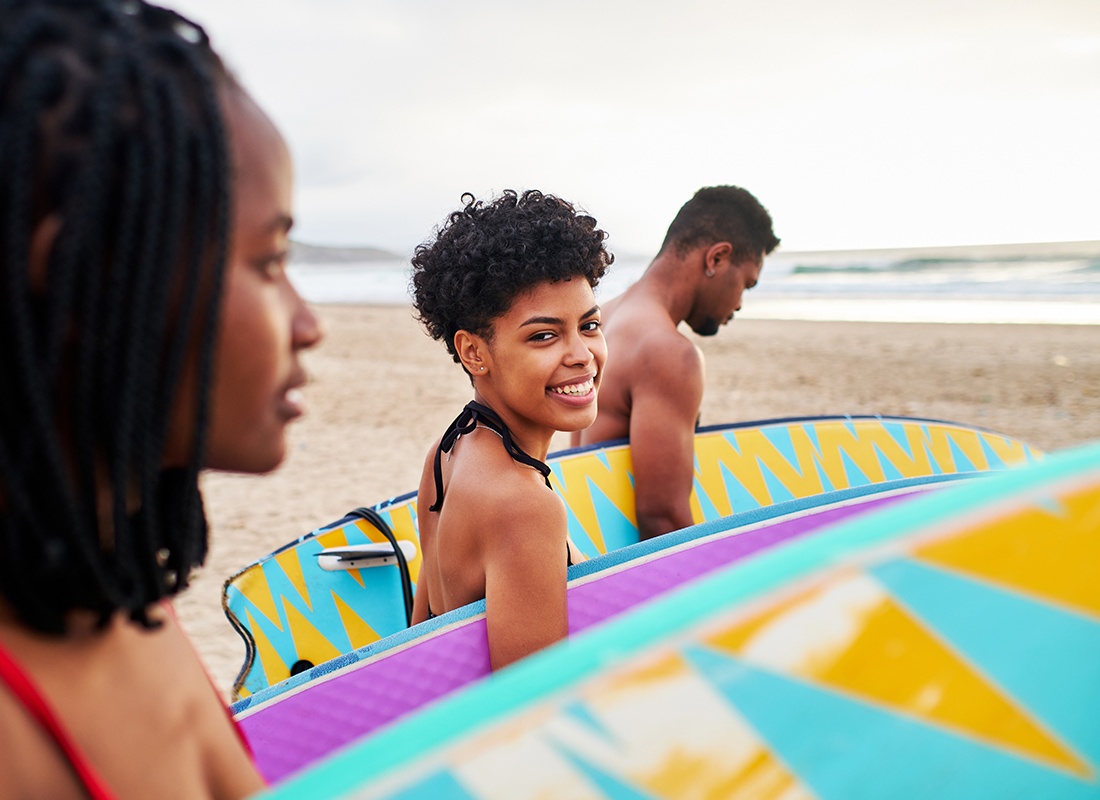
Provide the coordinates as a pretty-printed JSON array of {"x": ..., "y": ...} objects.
[{"x": 292, "y": 730}]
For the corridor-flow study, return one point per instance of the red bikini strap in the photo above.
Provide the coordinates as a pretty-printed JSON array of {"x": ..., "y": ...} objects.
[{"x": 32, "y": 700}]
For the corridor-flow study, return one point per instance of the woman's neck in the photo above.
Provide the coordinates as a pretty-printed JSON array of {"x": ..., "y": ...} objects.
[{"x": 533, "y": 440}]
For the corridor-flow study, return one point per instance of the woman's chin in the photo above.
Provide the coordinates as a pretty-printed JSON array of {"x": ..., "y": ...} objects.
[
  {"x": 252, "y": 461},
  {"x": 578, "y": 419}
]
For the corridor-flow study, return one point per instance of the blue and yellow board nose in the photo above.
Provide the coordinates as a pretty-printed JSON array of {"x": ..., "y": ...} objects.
[{"x": 290, "y": 611}]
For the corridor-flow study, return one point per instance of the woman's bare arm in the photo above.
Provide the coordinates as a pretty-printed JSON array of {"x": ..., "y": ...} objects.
[{"x": 525, "y": 574}]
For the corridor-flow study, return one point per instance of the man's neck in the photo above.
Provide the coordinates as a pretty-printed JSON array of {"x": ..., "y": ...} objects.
[{"x": 671, "y": 282}]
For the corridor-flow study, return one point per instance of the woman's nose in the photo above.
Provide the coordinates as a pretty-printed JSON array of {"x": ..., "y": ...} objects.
[
  {"x": 579, "y": 351},
  {"x": 307, "y": 328}
]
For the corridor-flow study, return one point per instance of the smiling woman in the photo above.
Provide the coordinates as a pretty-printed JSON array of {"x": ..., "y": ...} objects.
[{"x": 507, "y": 286}]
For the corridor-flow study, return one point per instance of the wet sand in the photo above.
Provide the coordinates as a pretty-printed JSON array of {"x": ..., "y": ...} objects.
[{"x": 382, "y": 391}]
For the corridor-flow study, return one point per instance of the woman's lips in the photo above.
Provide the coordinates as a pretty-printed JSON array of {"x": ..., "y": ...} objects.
[
  {"x": 577, "y": 389},
  {"x": 293, "y": 403},
  {"x": 577, "y": 393}
]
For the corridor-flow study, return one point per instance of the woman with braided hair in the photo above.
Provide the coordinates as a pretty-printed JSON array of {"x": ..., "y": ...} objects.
[
  {"x": 147, "y": 331},
  {"x": 507, "y": 287}
]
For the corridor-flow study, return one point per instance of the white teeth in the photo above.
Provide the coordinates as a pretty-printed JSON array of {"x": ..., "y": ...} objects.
[{"x": 575, "y": 389}]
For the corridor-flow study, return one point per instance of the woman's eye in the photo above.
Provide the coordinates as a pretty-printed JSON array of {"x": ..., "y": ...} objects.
[
  {"x": 542, "y": 336},
  {"x": 591, "y": 326},
  {"x": 273, "y": 268}
]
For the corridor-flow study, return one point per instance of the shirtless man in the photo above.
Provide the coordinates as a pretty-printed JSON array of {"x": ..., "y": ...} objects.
[{"x": 653, "y": 382}]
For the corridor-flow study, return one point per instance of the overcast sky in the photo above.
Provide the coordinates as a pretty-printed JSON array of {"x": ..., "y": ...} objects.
[{"x": 858, "y": 123}]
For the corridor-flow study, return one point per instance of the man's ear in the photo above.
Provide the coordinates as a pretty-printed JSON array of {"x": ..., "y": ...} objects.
[
  {"x": 42, "y": 241},
  {"x": 473, "y": 352},
  {"x": 714, "y": 256}
]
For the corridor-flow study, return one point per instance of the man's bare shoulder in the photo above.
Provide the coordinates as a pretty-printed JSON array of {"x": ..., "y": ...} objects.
[
  {"x": 639, "y": 322},
  {"x": 646, "y": 356},
  {"x": 647, "y": 350}
]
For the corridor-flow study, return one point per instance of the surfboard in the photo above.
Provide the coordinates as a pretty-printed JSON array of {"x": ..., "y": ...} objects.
[
  {"x": 946, "y": 646},
  {"x": 357, "y": 694},
  {"x": 293, "y": 613}
]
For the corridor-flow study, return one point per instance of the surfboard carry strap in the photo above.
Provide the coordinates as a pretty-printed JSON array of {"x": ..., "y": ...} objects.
[
  {"x": 379, "y": 522},
  {"x": 472, "y": 415}
]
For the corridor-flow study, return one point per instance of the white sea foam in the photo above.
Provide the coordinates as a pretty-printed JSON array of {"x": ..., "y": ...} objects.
[{"x": 1057, "y": 283}]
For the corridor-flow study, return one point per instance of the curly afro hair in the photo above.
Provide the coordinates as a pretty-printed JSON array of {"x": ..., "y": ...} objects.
[{"x": 487, "y": 254}]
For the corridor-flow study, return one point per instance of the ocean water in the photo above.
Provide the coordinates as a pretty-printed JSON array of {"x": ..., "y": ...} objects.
[{"x": 1049, "y": 284}]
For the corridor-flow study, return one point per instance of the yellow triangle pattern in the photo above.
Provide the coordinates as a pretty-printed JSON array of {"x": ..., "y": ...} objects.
[
  {"x": 334, "y": 538},
  {"x": 252, "y": 583},
  {"x": 836, "y": 441},
  {"x": 696, "y": 507},
  {"x": 1050, "y": 552},
  {"x": 970, "y": 444},
  {"x": 938, "y": 441},
  {"x": 718, "y": 755},
  {"x": 371, "y": 533},
  {"x": 855, "y": 638},
  {"x": 762, "y": 777},
  {"x": 712, "y": 452},
  {"x": 275, "y": 669},
  {"x": 738, "y": 765},
  {"x": 1008, "y": 450},
  {"x": 308, "y": 641},
  {"x": 913, "y": 462},
  {"x": 802, "y": 479},
  {"x": 359, "y": 632},
  {"x": 290, "y": 564},
  {"x": 337, "y": 538},
  {"x": 614, "y": 481},
  {"x": 404, "y": 528}
]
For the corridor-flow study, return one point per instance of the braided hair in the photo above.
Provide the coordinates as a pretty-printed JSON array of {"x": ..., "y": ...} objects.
[{"x": 114, "y": 208}]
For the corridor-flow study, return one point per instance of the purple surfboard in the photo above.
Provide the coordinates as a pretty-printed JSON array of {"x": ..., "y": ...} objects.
[{"x": 294, "y": 723}]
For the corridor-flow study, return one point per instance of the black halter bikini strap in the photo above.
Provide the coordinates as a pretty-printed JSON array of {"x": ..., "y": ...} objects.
[
  {"x": 473, "y": 414},
  {"x": 463, "y": 423},
  {"x": 487, "y": 417}
]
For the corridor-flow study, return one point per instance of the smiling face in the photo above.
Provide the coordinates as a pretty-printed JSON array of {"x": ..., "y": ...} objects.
[
  {"x": 542, "y": 367},
  {"x": 721, "y": 294},
  {"x": 264, "y": 322}
]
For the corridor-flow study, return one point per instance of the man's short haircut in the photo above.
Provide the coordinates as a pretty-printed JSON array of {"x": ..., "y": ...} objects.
[
  {"x": 487, "y": 254},
  {"x": 722, "y": 214}
]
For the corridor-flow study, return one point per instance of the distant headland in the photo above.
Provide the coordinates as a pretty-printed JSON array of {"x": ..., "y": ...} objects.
[{"x": 301, "y": 253}]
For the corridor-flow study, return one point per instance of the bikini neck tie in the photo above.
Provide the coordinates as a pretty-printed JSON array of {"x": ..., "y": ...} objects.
[{"x": 472, "y": 415}]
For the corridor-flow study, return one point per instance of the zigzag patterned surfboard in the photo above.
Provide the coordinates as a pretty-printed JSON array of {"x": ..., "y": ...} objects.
[
  {"x": 300, "y": 720},
  {"x": 947, "y": 646},
  {"x": 289, "y": 611}
]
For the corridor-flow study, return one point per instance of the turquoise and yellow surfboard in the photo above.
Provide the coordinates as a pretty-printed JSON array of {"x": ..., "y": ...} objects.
[
  {"x": 947, "y": 646},
  {"x": 298, "y": 607}
]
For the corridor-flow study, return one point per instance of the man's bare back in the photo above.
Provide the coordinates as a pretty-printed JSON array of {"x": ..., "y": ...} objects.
[
  {"x": 641, "y": 333},
  {"x": 652, "y": 386},
  {"x": 651, "y": 392}
]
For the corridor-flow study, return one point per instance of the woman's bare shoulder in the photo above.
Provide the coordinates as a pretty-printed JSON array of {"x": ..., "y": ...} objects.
[{"x": 150, "y": 692}]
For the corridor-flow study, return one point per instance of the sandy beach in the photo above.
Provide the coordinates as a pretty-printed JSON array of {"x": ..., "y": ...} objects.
[{"x": 382, "y": 391}]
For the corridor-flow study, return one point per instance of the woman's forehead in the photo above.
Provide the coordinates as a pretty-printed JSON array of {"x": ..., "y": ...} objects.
[
  {"x": 253, "y": 138},
  {"x": 566, "y": 299}
]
